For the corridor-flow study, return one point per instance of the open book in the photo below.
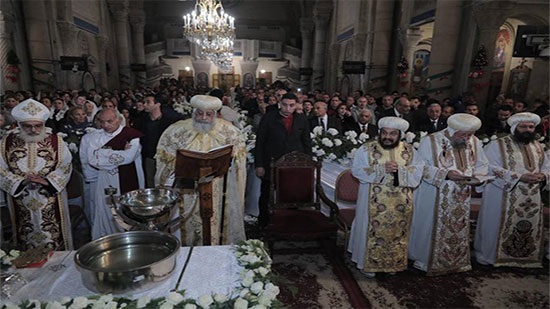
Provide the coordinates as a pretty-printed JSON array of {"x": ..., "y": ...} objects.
[{"x": 189, "y": 163}]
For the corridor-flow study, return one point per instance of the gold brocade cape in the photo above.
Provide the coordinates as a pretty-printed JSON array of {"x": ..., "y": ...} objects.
[
  {"x": 520, "y": 240},
  {"x": 39, "y": 214},
  {"x": 390, "y": 212},
  {"x": 182, "y": 135},
  {"x": 450, "y": 239}
]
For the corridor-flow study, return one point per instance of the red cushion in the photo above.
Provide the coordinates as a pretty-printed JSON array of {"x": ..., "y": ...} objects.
[
  {"x": 347, "y": 187},
  {"x": 347, "y": 215},
  {"x": 295, "y": 185},
  {"x": 300, "y": 223}
]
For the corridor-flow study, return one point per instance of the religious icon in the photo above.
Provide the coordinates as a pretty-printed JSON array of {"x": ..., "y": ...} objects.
[{"x": 502, "y": 43}]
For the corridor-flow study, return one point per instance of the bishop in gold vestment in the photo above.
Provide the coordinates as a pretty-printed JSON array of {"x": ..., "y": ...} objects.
[
  {"x": 388, "y": 170},
  {"x": 510, "y": 229},
  {"x": 440, "y": 232},
  {"x": 203, "y": 132},
  {"x": 35, "y": 167}
]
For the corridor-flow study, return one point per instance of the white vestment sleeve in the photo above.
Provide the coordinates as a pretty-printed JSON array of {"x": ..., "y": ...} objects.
[
  {"x": 433, "y": 174},
  {"x": 364, "y": 172},
  {"x": 9, "y": 181},
  {"x": 107, "y": 159},
  {"x": 505, "y": 179},
  {"x": 411, "y": 175},
  {"x": 59, "y": 177}
]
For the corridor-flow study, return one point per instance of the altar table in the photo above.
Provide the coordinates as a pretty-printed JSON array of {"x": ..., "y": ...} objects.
[{"x": 211, "y": 270}]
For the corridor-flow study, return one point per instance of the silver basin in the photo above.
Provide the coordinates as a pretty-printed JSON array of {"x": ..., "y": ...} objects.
[
  {"x": 129, "y": 261},
  {"x": 147, "y": 204}
]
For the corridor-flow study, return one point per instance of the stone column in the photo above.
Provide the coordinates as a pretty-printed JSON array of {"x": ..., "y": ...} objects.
[
  {"x": 306, "y": 28},
  {"x": 67, "y": 34},
  {"x": 137, "y": 21},
  {"x": 321, "y": 25},
  {"x": 6, "y": 29},
  {"x": 379, "y": 80},
  {"x": 102, "y": 46},
  {"x": 119, "y": 11},
  {"x": 489, "y": 18},
  {"x": 448, "y": 15}
]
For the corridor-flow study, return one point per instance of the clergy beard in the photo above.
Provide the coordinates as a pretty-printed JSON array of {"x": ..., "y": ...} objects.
[
  {"x": 458, "y": 144},
  {"x": 524, "y": 137},
  {"x": 203, "y": 127},
  {"x": 387, "y": 146},
  {"x": 28, "y": 138}
]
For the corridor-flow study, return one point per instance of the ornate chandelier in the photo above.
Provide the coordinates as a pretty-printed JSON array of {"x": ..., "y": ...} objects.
[{"x": 213, "y": 30}]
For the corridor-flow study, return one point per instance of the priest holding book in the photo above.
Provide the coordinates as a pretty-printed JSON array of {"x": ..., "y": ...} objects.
[{"x": 202, "y": 133}]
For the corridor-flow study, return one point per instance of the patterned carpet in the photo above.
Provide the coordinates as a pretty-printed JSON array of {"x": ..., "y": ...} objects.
[{"x": 316, "y": 280}]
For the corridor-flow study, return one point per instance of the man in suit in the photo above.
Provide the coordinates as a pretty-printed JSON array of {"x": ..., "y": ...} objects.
[
  {"x": 402, "y": 109},
  {"x": 279, "y": 133},
  {"x": 323, "y": 119},
  {"x": 363, "y": 124},
  {"x": 434, "y": 122}
]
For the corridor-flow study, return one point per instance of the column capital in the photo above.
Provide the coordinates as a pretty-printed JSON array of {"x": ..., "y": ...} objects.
[
  {"x": 119, "y": 9},
  {"x": 137, "y": 23}
]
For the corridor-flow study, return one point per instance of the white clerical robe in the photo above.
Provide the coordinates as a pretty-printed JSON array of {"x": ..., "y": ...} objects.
[
  {"x": 510, "y": 222},
  {"x": 439, "y": 239},
  {"x": 373, "y": 247},
  {"x": 106, "y": 161},
  {"x": 39, "y": 214},
  {"x": 182, "y": 135}
]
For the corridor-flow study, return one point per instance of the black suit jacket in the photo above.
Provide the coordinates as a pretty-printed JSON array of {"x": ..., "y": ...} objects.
[
  {"x": 333, "y": 122},
  {"x": 427, "y": 125},
  {"x": 273, "y": 141},
  {"x": 372, "y": 130},
  {"x": 391, "y": 113}
]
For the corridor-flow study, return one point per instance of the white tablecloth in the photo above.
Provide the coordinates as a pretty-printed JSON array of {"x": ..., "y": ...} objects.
[{"x": 212, "y": 269}]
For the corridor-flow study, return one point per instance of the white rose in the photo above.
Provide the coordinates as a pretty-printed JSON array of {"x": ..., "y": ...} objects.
[
  {"x": 327, "y": 142},
  {"x": 265, "y": 300},
  {"x": 272, "y": 289},
  {"x": 105, "y": 298},
  {"x": 73, "y": 148},
  {"x": 258, "y": 307},
  {"x": 332, "y": 131},
  {"x": 423, "y": 133},
  {"x": 337, "y": 142},
  {"x": 240, "y": 304},
  {"x": 50, "y": 305},
  {"x": 205, "y": 301},
  {"x": 262, "y": 271},
  {"x": 416, "y": 145},
  {"x": 318, "y": 130},
  {"x": 190, "y": 306},
  {"x": 244, "y": 292},
  {"x": 111, "y": 305},
  {"x": 10, "y": 305},
  {"x": 66, "y": 300},
  {"x": 331, "y": 157},
  {"x": 351, "y": 134},
  {"x": 249, "y": 274},
  {"x": 494, "y": 137},
  {"x": 166, "y": 305},
  {"x": 314, "y": 149},
  {"x": 80, "y": 302},
  {"x": 409, "y": 137},
  {"x": 2, "y": 253},
  {"x": 363, "y": 137},
  {"x": 485, "y": 140},
  {"x": 63, "y": 135},
  {"x": 320, "y": 153},
  {"x": 220, "y": 298},
  {"x": 312, "y": 135},
  {"x": 257, "y": 287},
  {"x": 143, "y": 301},
  {"x": 174, "y": 298},
  {"x": 247, "y": 281}
]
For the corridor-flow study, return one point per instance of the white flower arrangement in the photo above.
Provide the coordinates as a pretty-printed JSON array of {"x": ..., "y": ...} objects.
[
  {"x": 256, "y": 291},
  {"x": 6, "y": 258},
  {"x": 183, "y": 107}
]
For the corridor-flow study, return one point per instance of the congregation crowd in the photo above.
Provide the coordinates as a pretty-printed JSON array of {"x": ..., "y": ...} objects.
[{"x": 413, "y": 204}]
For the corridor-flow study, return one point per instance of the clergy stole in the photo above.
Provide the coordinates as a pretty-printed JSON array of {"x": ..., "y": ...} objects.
[
  {"x": 40, "y": 203},
  {"x": 450, "y": 249},
  {"x": 520, "y": 239},
  {"x": 127, "y": 173},
  {"x": 390, "y": 213}
]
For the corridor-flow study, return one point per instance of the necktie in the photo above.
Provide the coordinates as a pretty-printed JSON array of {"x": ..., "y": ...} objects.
[
  {"x": 363, "y": 127},
  {"x": 322, "y": 123},
  {"x": 435, "y": 124}
]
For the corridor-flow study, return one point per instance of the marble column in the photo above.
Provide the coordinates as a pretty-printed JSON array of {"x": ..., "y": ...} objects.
[
  {"x": 306, "y": 28},
  {"x": 489, "y": 18},
  {"x": 448, "y": 16},
  {"x": 319, "y": 53},
  {"x": 119, "y": 11},
  {"x": 137, "y": 21}
]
